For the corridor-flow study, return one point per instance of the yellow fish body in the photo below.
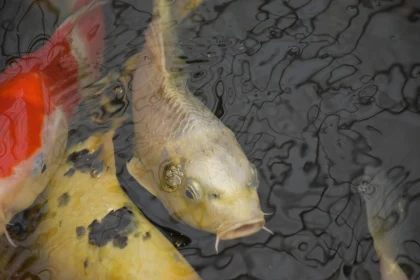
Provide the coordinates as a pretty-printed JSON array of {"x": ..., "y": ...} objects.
[{"x": 90, "y": 228}]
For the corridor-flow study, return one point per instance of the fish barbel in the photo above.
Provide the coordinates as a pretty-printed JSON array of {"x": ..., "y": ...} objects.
[
  {"x": 38, "y": 93},
  {"x": 184, "y": 155}
]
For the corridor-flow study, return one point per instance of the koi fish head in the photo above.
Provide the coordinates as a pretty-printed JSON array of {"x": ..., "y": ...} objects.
[{"x": 206, "y": 181}]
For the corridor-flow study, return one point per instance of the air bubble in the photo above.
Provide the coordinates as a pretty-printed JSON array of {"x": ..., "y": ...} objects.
[
  {"x": 261, "y": 16},
  {"x": 351, "y": 9},
  {"x": 294, "y": 51},
  {"x": 366, "y": 188}
]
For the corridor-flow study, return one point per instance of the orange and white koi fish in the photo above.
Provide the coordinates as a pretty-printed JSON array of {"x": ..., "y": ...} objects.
[{"x": 38, "y": 93}]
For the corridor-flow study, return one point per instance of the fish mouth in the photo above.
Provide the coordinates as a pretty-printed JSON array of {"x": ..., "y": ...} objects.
[{"x": 242, "y": 229}]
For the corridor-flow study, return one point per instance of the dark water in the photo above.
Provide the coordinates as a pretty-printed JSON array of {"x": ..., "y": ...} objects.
[{"x": 316, "y": 92}]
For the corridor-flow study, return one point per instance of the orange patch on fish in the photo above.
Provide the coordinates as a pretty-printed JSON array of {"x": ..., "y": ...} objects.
[
  {"x": 34, "y": 85},
  {"x": 38, "y": 94},
  {"x": 24, "y": 104}
]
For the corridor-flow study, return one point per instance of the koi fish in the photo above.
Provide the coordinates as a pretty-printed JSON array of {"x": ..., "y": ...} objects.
[
  {"x": 388, "y": 224},
  {"x": 89, "y": 228},
  {"x": 184, "y": 155},
  {"x": 38, "y": 94}
]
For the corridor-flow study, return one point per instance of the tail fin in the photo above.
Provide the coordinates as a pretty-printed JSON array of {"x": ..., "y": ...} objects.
[
  {"x": 72, "y": 19},
  {"x": 85, "y": 31},
  {"x": 161, "y": 31},
  {"x": 82, "y": 34},
  {"x": 160, "y": 36}
]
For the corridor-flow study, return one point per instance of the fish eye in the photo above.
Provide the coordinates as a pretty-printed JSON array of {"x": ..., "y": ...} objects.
[
  {"x": 189, "y": 194},
  {"x": 192, "y": 190}
]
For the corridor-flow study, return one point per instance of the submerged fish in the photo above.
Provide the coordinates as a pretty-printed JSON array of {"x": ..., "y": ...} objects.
[
  {"x": 184, "y": 154},
  {"x": 386, "y": 211},
  {"x": 38, "y": 93},
  {"x": 89, "y": 229}
]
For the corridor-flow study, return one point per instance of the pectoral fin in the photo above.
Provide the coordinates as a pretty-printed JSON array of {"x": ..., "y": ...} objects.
[
  {"x": 143, "y": 176},
  {"x": 390, "y": 270}
]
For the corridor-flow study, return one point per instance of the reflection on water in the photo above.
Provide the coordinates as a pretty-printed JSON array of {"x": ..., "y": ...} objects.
[{"x": 322, "y": 95}]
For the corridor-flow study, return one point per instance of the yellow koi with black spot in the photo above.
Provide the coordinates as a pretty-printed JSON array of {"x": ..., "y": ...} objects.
[{"x": 90, "y": 229}]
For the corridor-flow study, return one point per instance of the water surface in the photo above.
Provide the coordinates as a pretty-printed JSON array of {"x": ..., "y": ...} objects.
[{"x": 315, "y": 90}]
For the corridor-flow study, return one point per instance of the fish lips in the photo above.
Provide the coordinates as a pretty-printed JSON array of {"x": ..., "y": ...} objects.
[{"x": 243, "y": 229}]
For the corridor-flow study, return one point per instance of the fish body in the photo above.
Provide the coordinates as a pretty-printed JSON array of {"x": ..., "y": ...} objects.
[
  {"x": 89, "y": 228},
  {"x": 386, "y": 212},
  {"x": 183, "y": 153},
  {"x": 38, "y": 93}
]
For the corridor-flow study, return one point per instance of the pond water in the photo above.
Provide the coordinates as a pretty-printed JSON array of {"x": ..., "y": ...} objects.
[{"x": 318, "y": 92}]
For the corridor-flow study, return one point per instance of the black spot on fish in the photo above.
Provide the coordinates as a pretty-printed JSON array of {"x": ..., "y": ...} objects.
[
  {"x": 86, "y": 263},
  {"x": 115, "y": 225},
  {"x": 146, "y": 236},
  {"x": 120, "y": 241},
  {"x": 87, "y": 162},
  {"x": 60, "y": 223},
  {"x": 44, "y": 168},
  {"x": 70, "y": 172},
  {"x": 97, "y": 169},
  {"x": 25, "y": 222},
  {"x": 80, "y": 232},
  {"x": 63, "y": 200}
]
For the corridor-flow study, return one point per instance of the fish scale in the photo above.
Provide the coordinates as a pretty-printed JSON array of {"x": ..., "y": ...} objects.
[{"x": 179, "y": 116}]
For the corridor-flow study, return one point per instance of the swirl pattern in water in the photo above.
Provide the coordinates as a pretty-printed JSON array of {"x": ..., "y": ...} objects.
[{"x": 323, "y": 97}]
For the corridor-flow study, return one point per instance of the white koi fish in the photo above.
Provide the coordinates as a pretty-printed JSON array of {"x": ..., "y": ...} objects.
[{"x": 184, "y": 154}]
